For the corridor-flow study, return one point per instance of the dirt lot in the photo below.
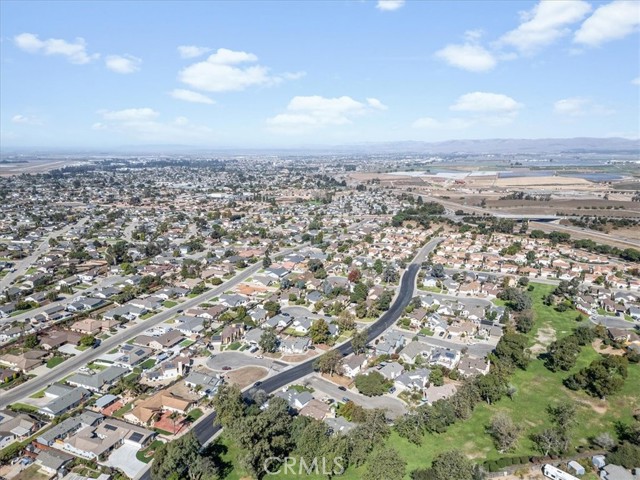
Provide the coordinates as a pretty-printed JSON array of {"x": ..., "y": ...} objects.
[
  {"x": 544, "y": 337},
  {"x": 246, "y": 376},
  {"x": 299, "y": 358}
]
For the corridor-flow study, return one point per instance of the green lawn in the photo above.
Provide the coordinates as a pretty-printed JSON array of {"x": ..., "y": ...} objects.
[
  {"x": 536, "y": 387},
  {"x": 55, "y": 361},
  {"x": 186, "y": 343},
  {"x": 147, "y": 364},
  {"x": 121, "y": 411},
  {"x": 147, "y": 315},
  {"x": 427, "y": 332},
  {"x": 146, "y": 454},
  {"x": 39, "y": 394},
  {"x": 194, "y": 414},
  {"x": 169, "y": 304},
  {"x": 234, "y": 346}
]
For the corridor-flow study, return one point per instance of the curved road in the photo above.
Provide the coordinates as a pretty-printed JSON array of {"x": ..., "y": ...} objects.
[{"x": 205, "y": 428}]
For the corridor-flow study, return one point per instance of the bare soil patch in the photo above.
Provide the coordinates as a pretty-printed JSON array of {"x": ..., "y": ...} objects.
[
  {"x": 245, "y": 376},
  {"x": 337, "y": 379},
  {"x": 544, "y": 337},
  {"x": 607, "y": 350}
]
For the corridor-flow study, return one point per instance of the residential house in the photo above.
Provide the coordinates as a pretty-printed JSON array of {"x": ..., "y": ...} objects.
[
  {"x": 98, "y": 381},
  {"x": 205, "y": 385},
  {"x": 64, "y": 399},
  {"x": 470, "y": 366},
  {"x": 354, "y": 364},
  {"x": 132, "y": 355},
  {"x": 232, "y": 333},
  {"x": 413, "y": 380},
  {"x": 294, "y": 345}
]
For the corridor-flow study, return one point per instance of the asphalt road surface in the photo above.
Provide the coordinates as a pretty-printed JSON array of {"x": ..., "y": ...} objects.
[{"x": 72, "y": 364}]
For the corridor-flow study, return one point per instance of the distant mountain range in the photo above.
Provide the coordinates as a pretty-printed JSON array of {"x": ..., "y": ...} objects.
[
  {"x": 504, "y": 146},
  {"x": 507, "y": 146}
]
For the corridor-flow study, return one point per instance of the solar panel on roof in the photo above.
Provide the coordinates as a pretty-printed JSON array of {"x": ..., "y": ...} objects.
[
  {"x": 110, "y": 427},
  {"x": 136, "y": 437}
]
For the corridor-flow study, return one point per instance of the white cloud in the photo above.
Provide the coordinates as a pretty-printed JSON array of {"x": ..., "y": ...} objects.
[
  {"x": 76, "y": 52},
  {"x": 190, "y": 96},
  {"x": 312, "y": 112},
  {"x": 226, "y": 71},
  {"x": 545, "y": 23},
  {"x": 609, "y": 22},
  {"x": 377, "y": 104},
  {"x": 389, "y": 5},
  {"x": 579, "y": 106},
  {"x": 26, "y": 120},
  {"x": 130, "y": 114},
  {"x": 477, "y": 109},
  {"x": 570, "y": 106},
  {"x": 123, "y": 63},
  {"x": 485, "y": 102},
  {"x": 635, "y": 81},
  {"x": 143, "y": 125},
  {"x": 192, "y": 51},
  {"x": 468, "y": 56}
]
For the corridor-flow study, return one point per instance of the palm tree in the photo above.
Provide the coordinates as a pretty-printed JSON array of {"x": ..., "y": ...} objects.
[{"x": 173, "y": 417}]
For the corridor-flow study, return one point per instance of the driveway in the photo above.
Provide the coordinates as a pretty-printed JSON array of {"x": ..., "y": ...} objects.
[
  {"x": 394, "y": 407},
  {"x": 613, "y": 322},
  {"x": 124, "y": 458}
]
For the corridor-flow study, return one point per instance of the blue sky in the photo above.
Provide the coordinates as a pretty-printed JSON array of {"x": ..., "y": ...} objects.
[{"x": 269, "y": 74}]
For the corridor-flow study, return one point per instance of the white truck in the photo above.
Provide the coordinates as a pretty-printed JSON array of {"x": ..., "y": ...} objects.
[{"x": 550, "y": 471}]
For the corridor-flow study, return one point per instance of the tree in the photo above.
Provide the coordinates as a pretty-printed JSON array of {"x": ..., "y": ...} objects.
[
  {"x": 269, "y": 341},
  {"x": 319, "y": 331},
  {"x": 627, "y": 455},
  {"x": 330, "y": 362},
  {"x": 370, "y": 433},
  {"x": 354, "y": 275},
  {"x": 513, "y": 350},
  {"x": 548, "y": 441},
  {"x": 272, "y": 308},
  {"x": 603, "y": 377},
  {"x": 562, "y": 354},
  {"x": 385, "y": 464},
  {"x": 31, "y": 341},
  {"x": 359, "y": 342},
  {"x": 436, "y": 377},
  {"x": 266, "y": 261},
  {"x": 229, "y": 406},
  {"x": 524, "y": 321},
  {"x": 87, "y": 341},
  {"x": 372, "y": 384},
  {"x": 182, "y": 459},
  {"x": 359, "y": 293},
  {"x": 390, "y": 274},
  {"x": 604, "y": 440},
  {"x": 451, "y": 465},
  {"x": 491, "y": 387},
  {"x": 504, "y": 432},
  {"x": 437, "y": 271}
]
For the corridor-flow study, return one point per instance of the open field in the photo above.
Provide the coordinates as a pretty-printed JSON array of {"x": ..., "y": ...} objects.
[{"x": 536, "y": 388}]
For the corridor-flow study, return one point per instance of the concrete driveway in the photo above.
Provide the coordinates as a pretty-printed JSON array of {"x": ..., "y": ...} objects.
[
  {"x": 394, "y": 407},
  {"x": 124, "y": 458}
]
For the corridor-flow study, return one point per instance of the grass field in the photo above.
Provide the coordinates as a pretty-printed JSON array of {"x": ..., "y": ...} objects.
[
  {"x": 536, "y": 388},
  {"x": 55, "y": 361},
  {"x": 169, "y": 304}
]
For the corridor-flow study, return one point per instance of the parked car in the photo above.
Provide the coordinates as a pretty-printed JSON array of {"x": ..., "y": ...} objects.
[
  {"x": 257, "y": 384},
  {"x": 343, "y": 388},
  {"x": 345, "y": 399},
  {"x": 226, "y": 368}
]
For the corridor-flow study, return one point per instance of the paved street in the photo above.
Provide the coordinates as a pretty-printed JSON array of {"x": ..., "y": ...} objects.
[
  {"x": 236, "y": 360},
  {"x": 395, "y": 408},
  {"x": 613, "y": 322},
  {"x": 23, "y": 265},
  {"x": 121, "y": 337}
]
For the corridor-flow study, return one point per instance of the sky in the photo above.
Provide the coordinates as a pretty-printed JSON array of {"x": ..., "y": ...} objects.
[{"x": 294, "y": 73}]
